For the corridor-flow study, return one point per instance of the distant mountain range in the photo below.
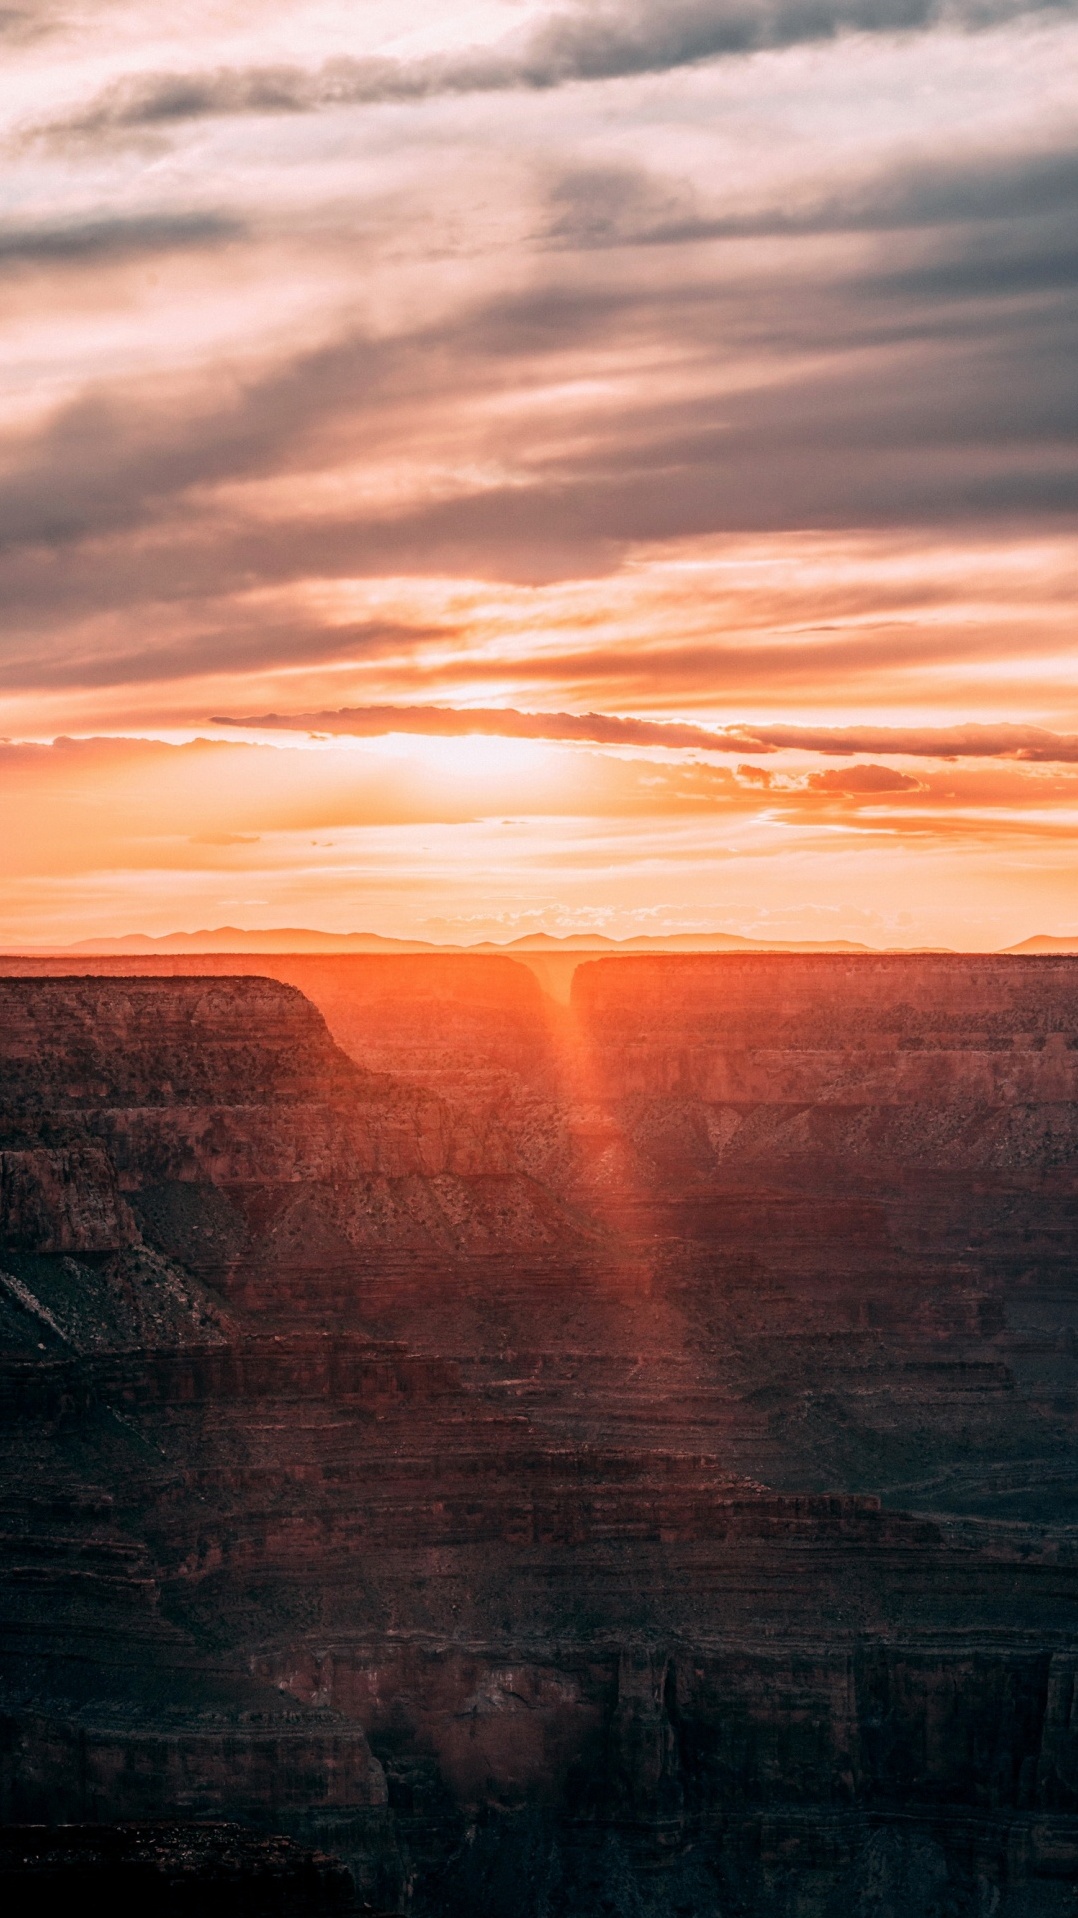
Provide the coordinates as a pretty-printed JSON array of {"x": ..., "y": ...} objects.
[{"x": 302, "y": 939}]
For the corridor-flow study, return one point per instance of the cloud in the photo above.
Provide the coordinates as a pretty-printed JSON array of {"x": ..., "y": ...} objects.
[
  {"x": 21, "y": 26},
  {"x": 109, "y": 458},
  {"x": 926, "y": 384},
  {"x": 597, "y": 206},
  {"x": 1028, "y": 743},
  {"x": 582, "y": 43},
  {"x": 993, "y": 186},
  {"x": 504, "y": 722},
  {"x": 99, "y": 241},
  {"x": 862, "y": 779},
  {"x": 245, "y": 643},
  {"x": 902, "y": 418},
  {"x": 1032, "y": 743}
]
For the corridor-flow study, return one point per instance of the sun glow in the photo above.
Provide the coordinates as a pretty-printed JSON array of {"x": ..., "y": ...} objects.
[{"x": 476, "y": 764}]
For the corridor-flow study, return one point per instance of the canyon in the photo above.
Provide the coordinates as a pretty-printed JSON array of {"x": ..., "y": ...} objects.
[{"x": 605, "y": 1452}]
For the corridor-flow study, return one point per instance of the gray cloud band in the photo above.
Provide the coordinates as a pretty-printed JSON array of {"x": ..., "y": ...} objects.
[
  {"x": 1014, "y": 742},
  {"x": 935, "y": 395},
  {"x": 91, "y": 242},
  {"x": 578, "y": 44},
  {"x": 622, "y": 206},
  {"x": 941, "y": 446}
]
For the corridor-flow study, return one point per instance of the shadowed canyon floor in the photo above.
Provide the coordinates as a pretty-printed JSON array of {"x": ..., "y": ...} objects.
[{"x": 610, "y": 1457}]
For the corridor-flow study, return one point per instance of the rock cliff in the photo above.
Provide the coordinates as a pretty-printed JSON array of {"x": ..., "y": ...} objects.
[{"x": 620, "y": 1458}]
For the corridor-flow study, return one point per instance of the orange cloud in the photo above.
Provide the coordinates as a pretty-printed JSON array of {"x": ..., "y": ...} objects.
[{"x": 863, "y": 779}]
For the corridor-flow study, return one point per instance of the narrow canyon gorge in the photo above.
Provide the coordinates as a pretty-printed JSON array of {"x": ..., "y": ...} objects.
[{"x": 613, "y": 1453}]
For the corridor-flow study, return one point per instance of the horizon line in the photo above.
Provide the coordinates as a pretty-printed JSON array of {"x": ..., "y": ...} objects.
[{"x": 316, "y": 942}]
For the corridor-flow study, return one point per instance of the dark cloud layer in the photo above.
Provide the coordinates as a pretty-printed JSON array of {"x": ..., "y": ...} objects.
[
  {"x": 93, "y": 242},
  {"x": 1027, "y": 743},
  {"x": 584, "y": 43},
  {"x": 918, "y": 376},
  {"x": 934, "y": 389},
  {"x": 604, "y": 206}
]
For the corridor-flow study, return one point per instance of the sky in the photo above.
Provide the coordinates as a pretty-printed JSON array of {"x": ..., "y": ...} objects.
[{"x": 505, "y": 467}]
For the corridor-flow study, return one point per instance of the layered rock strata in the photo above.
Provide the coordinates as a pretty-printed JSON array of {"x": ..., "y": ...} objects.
[{"x": 621, "y": 1459}]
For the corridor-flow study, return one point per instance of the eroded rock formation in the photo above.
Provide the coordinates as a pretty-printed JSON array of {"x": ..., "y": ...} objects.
[{"x": 618, "y": 1458}]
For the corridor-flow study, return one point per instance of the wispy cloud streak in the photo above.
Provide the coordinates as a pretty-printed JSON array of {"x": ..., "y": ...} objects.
[
  {"x": 1029, "y": 743},
  {"x": 580, "y": 44},
  {"x": 446, "y": 722},
  {"x": 597, "y": 207},
  {"x": 95, "y": 242}
]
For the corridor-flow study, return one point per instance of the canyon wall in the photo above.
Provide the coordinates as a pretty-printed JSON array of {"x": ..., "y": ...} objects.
[{"x": 619, "y": 1457}]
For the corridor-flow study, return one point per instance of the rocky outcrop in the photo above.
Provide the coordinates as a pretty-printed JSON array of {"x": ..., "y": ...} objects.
[
  {"x": 623, "y": 1459},
  {"x": 62, "y": 1201}
]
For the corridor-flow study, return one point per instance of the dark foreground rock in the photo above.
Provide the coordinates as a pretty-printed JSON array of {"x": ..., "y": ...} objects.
[
  {"x": 167, "y": 1871},
  {"x": 618, "y": 1459}
]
